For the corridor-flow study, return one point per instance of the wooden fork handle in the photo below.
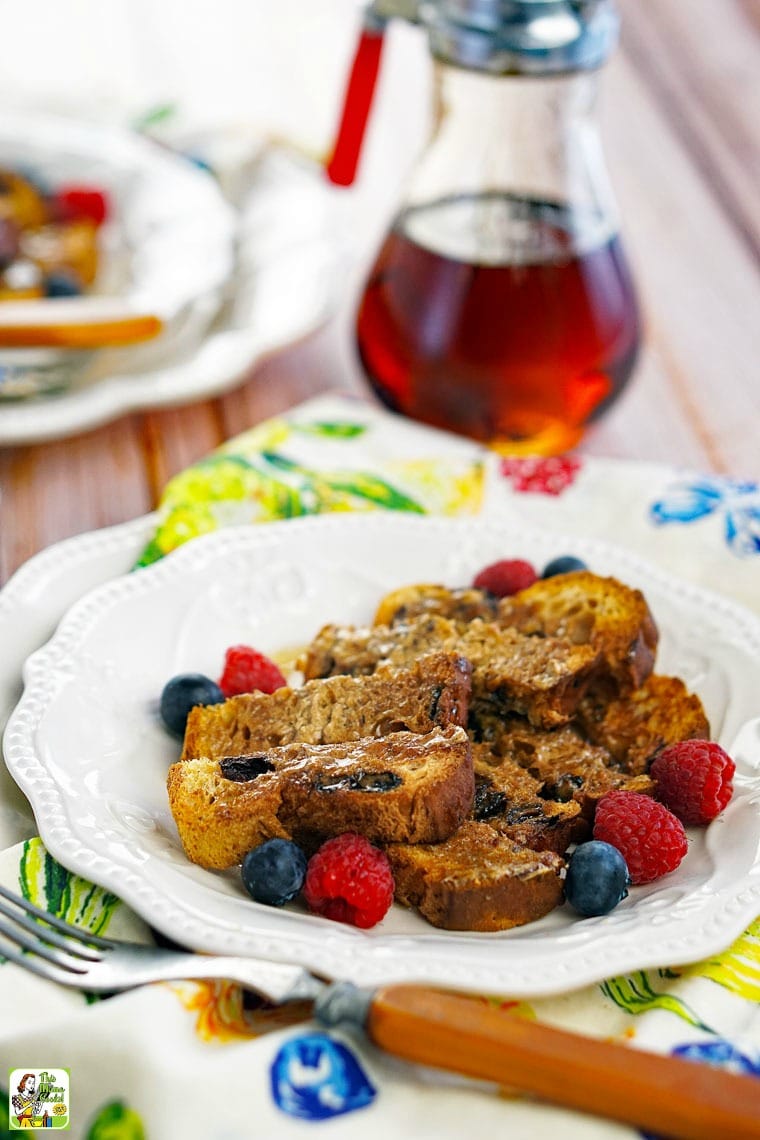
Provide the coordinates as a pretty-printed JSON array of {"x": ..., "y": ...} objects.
[{"x": 668, "y": 1095}]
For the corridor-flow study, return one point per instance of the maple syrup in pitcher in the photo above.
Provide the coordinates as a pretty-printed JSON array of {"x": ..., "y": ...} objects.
[
  {"x": 512, "y": 320},
  {"x": 500, "y": 304}
]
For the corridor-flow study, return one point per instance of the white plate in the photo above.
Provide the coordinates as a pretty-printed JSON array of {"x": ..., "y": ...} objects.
[
  {"x": 170, "y": 252},
  {"x": 171, "y": 215},
  {"x": 292, "y": 251},
  {"x": 86, "y": 747}
]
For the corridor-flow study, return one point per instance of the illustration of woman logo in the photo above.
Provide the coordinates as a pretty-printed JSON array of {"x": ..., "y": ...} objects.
[{"x": 30, "y": 1113}]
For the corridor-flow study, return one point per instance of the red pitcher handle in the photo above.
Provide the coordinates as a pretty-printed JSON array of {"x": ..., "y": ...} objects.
[{"x": 357, "y": 103}]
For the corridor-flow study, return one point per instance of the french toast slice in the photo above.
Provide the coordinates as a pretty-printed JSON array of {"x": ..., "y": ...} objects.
[
  {"x": 542, "y": 678},
  {"x": 476, "y": 880},
  {"x": 633, "y": 729},
  {"x": 432, "y": 691},
  {"x": 463, "y": 603},
  {"x": 587, "y": 609},
  {"x": 568, "y": 767},
  {"x": 404, "y": 787}
]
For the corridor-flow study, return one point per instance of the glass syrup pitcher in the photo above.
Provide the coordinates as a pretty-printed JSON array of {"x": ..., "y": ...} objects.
[{"x": 501, "y": 305}]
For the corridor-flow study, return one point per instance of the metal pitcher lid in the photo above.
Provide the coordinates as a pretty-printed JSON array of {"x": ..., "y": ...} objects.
[{"x": 517, "y": 37}]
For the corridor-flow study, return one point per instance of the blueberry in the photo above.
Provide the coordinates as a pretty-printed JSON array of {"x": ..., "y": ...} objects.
[
  {"x": 62, "y": 284},
  {"x": 183, "y": 693},
  {"x": 565, "y": 564},
  {"x": 274, "y": 873},
  {"x": 597, "y": 878}
]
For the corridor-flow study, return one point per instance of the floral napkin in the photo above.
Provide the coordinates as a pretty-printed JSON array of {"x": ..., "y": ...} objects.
[{"x": 203, "y": 1060}]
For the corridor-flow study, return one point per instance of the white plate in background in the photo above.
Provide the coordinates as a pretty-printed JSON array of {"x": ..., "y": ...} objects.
[
  {"x": 166, "y": 255},
  {"x": 291, "y": 253},
  {"x": 176, "y": 228}
]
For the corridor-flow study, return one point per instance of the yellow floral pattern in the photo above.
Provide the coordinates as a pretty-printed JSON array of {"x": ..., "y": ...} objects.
[
  {"x": 269, "y": 473},
  {"x": 736, "y": 969}
]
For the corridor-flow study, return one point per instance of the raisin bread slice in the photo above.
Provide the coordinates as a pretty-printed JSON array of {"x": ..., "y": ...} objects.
[
  {"x": 586, "y": 609},
  {"x": 542, "y": 678},
  {"x": 405, "y": 787},
  {"x": 433, "y": 691},
  {"x": 568, "y": 767},
  {"x": 509, "y": 799},
  {"x": 461, "y": 604},
  {"x": 476, "y": 880},
  {"x": 635, "y": 728}
]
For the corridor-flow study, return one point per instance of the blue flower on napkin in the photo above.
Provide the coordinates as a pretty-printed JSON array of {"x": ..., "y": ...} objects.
[
  {"x": 720, "y": 1053},
  {"x": 737, "y": 502},
  {"x": 314, "y": 1077}
]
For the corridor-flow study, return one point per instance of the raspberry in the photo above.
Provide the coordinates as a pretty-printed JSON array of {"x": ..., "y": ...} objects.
[
  {"x": 505, "y": 577},
  {"x": 694, "y": 778},
  {"x": 74, "y": 203},
  {"x": 349, "y": 880},
  {"x": 246, "y": 670},
  {"x": 648, "y": 836}
]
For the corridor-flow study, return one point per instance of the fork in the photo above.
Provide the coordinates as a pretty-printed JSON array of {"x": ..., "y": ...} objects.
[{"x": 430, "y": 1027}]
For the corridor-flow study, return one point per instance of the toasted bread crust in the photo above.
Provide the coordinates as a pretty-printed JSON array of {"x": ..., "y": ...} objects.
[
  {"x": 541, "y": 678},
  {"x": 635, "y": 728},
  {"x": 476, "y": 880},
  {"x": 433, "y": 691},
  {"x": 587, "y": 609},
  {"x": 461, "y": 604},
  {"x": 213, "y": 816},
  {"x": 406, "y": 787}
]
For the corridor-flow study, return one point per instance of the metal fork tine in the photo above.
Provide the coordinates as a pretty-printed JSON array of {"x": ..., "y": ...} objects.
[
  {"x": 41, "y": 949},
  {"x": 47, "y": 934},
  {"x": 42, "y": 968},
  {"x": 51, "y": 919}
]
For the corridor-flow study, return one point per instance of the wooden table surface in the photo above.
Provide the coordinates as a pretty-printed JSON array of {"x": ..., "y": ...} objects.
[{"x": 682, "y": 133}]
